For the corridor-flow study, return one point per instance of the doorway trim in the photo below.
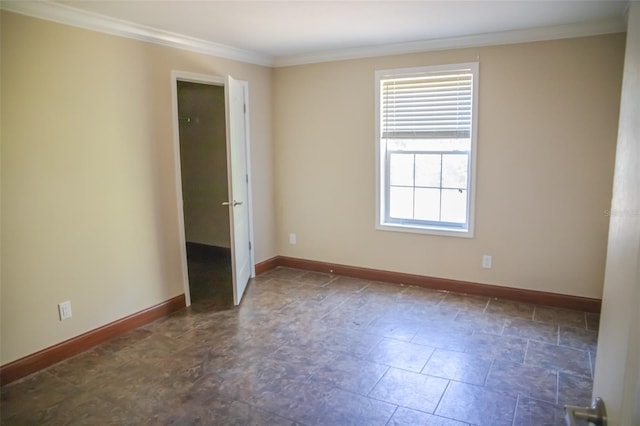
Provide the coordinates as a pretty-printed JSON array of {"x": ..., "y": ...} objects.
[{"x": 215, "y": 81}]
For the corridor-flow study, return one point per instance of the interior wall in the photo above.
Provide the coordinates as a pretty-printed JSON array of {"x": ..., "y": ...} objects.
[
  {"x": 547, "y": 129},
  {"x": 203, "y": 159},
  {"x": 617, "y": 374},
  {"x": 89, "y": 207}
]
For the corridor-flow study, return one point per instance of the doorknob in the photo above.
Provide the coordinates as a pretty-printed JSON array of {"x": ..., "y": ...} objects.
[
  {"x": 596, "y": 414},
  {"x": 235, "y": 203}
]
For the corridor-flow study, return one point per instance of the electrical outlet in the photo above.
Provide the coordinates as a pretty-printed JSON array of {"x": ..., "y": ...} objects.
[
  {"x": 292, "y": 239},
  {"x": 486, "y": 261},
  {"x": 64, "y": 309}
]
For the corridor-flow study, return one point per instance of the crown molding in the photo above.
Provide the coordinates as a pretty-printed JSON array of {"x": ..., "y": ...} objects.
[
  {"x": 479, "y": 40},
  {"x": 79, "y": 18},
  {"x": 64, "y": 14}
]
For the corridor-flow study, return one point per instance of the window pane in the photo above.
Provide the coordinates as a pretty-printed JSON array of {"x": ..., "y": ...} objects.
[
  {"x": 427, "y": 204},
  {"x": 401, "y": 169},
  {"x": 454, "y": 171},
  {"x": 454, "y": 205},
  {"x": 428, "y": 170},
  {"x": 401, "y": 202}
]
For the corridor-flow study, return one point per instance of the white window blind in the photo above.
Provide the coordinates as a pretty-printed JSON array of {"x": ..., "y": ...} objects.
[{"x": 428, "y": 105}]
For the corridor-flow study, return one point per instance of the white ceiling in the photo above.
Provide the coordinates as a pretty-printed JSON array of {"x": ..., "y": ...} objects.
[{"x": 287, "y": 31}]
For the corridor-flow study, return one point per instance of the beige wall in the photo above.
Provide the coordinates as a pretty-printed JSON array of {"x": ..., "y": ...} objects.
[
  {"x": 547, "y": 133},
  {"x": 89, "y": 211},
  {"x": 203, "y": 158},
  {"x": 617, "y": 375}
]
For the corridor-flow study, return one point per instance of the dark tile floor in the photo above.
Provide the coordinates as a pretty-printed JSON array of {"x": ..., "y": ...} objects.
[
  {"x": 309, "y": 348},
  {"x": 210, "y": 275}
]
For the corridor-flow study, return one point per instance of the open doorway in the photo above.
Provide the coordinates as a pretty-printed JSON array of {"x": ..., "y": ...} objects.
[
  {"x": 204, "y": 176},
  {"x": 237, "y": 199}
]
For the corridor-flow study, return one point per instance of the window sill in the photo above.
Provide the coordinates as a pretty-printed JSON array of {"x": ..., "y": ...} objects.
[{"x": 444, "y": 232}]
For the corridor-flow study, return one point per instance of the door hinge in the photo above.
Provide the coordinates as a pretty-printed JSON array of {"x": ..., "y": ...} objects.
[
  {"x": 244, "y": 108},
  {"x": 247, "y": 177},
  {"x": 249, "y": 245}
]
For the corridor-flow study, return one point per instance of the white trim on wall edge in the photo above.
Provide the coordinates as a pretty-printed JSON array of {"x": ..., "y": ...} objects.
[
  {"x": 79, "y": 18},
  {"x": 64, "y": 14},
  {"x": 489, "y": 39}
]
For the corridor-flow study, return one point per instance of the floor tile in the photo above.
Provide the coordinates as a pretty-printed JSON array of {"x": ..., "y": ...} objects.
[
  {"x": 499, "y": 347},
  {"x": 177, "y": 324},
  {"x": 218, "y": 412},
  {"x": 30, "y": 398},
  {"x": 315, "y": 307},
  {"x": 458, "y": 366},
  {"x": 302, "y": 402},
  {"x": 315, "y": 278},
  {"x": 350, "y": 342},
  {"x": 399, "y": 354},
  {"x": 430, "y": 316},
  {"x": 283, "y": 273},
  {"x": 533, "y": 330},
  {"x": 560, "y": 316},
  {"x": 388, "y": 291},
  {"x": 560, "y": 358},
  {"x": 476, "y": 405},
  {"x": 249, "y": 382},
  {"x": 574, "y": 390},
  {"x": 531, "y": 412},
  {"x": 407, "y": 417},
  {"x": 579, "y": 338},
  {"x": 349, "y": 373},
  {"x": 304, "y": 361},
  {"x": 593, "y": 321},
  {"x": 134, "y": 336},
  {"x": 344, "y": 408},
  {"x": 153, "y": 348},
  {"x": 207, "y": 388},
  {"x": 392, "y": 326},
  {"x": 139, "y": 388},
  {"x": 87, "y": 366},
  {"x": 481, "y": 322},
  {"x": 423, "y": 295},
  {"x": 412, "y": 390},
  {"x": 348, "y": 284},
  {"x": 278, "y": 286},
  {"x": 348, "y": 317},
  {"x": 465, "y": 302},
  {"x": 86, "y": 408},
  {"x": 509, "y": 308},
  {"x": 540, "y": 383},
  {"x": 443, "y": 336}
]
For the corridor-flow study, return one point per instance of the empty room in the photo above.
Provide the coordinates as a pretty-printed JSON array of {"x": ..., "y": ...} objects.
[{"x": 320, "y": 212}]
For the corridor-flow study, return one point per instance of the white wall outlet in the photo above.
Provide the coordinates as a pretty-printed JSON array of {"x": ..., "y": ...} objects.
[
  {"x": 64, "y": 309},
  {"x": 292, "y": 239},
  {"x": 486, "y": 261}
]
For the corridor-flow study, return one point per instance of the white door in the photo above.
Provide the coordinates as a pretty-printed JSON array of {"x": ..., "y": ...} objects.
[
  {"x": 238, "y": 186},
  {"x": 617, "y": 374}
]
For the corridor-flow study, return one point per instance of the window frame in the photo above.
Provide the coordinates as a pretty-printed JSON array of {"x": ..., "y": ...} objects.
[{"x": 382, "y": 185}]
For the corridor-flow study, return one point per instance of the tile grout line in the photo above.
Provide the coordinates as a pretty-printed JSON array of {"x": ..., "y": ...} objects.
[
  {"x": 392, "y": 414},
  {"x": 557, "y": 387},
  {"x": 515, "y": 411},
  {"x": 526, "y": 351},
  {"x": 442, "y": 397},
  {"x": 368, "y": 395}
]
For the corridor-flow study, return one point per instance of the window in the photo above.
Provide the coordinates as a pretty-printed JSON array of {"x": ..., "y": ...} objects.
[{"x": 425, "y": 153}]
